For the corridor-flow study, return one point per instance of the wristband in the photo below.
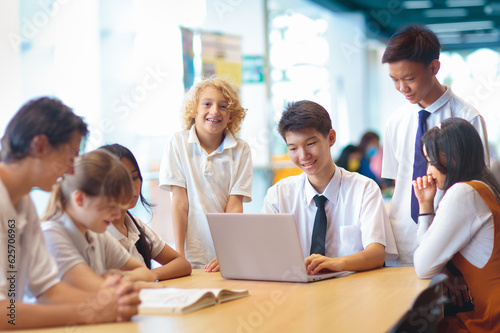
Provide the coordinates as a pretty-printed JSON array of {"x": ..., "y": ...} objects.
[{"x": 425, "y": 214}]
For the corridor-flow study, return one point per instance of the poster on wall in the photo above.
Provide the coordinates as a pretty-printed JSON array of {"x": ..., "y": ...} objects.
[
  {"x": 221, "y": 55},
  {"x": 188, "y": 57}
]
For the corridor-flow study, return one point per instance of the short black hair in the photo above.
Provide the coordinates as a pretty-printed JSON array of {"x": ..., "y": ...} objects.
[
  {"x": 414, "y": 43},
  {"x": 45, "y": 115},
  {"x": 456, "y": 150},
  {"x": 300, "y": 115}
]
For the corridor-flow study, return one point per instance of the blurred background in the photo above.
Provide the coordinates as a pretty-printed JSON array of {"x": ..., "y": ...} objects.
[{"x": 124, "y": 66}]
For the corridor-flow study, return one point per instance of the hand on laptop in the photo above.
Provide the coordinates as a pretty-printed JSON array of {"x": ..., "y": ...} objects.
[
  {"x": 316, "y": 263},
  {"x": 212, "y": 266}
]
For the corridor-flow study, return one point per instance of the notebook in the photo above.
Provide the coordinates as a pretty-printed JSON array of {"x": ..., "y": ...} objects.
[{"x": 260, "y": 247}]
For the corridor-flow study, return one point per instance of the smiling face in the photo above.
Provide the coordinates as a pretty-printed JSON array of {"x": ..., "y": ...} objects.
[
  {"x": 416, "y": 81},
  {"x": 58, "y": 161},
  {"x": 95, "y": 213},
  {"x": 212, "y": 114},
  {"x": 310, "y": 151},
  {"x": 438, "y": 176}
]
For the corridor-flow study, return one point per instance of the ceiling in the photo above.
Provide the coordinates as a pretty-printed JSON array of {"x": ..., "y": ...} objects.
[{"x": 459, "y": 24}]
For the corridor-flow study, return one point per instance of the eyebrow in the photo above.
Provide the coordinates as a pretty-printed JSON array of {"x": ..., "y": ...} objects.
[
  {"x": 309, "y": 138},
  {"x": 404, "y": 76}
]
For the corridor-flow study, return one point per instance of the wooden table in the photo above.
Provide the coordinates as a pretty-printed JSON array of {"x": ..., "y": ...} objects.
[{"x": 362, "y": 302}]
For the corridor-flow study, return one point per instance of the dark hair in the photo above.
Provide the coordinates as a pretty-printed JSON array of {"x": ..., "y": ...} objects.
[
  {"x": 343, "y": 159},
  {"x": 366, "y": 139},
  {"x": 456, "y": 150},
  {"x": 45, "y": 115},
  {"x": 144, "y": 245},
  {"x": 300, "y": 115},
  {"x": 413, "y": 43}
]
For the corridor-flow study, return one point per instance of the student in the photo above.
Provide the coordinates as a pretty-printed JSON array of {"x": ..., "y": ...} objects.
[
  {"x": 80, "y": 208},
  {"x": 207, "y": 169},
  {"x": 465, "y": 228},
  {"x": 142, "y": 242},
  {"x": 413, "y": 57},
  {"x": 357, "y": 235},
  {"x": 39, "y": 146}
]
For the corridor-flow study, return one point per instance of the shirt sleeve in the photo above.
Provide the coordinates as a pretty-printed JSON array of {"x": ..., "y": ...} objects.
[
  {"x": 480, "y": 126},
  {"x": 43, "y": 268},
  {"x": 375, "y": 226},
  {"x": 116, "y": 255},
  {"x": 389, "y": 161},
  {"x": 171, "y": 169},
  {"x": 451, "y": 230},
  {"x": 61, "y": 247},
  {"x": 242, "y": 184},
  {"x": 271, "y": 202}
]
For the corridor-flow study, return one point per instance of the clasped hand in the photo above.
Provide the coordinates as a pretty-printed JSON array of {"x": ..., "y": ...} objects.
[{"x": 425, "y": 189}]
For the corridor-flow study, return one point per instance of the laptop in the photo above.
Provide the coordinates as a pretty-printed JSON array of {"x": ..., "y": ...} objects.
[{"x": 260, "y": 247}]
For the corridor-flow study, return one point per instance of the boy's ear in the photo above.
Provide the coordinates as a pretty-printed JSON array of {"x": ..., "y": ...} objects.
[
  {"x": 332, "y": 137},
  {"x": 39, "y": 145},
  {"x": 434, "y": 66}
]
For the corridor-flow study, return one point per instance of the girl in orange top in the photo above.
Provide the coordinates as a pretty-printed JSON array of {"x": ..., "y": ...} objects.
[{"x": 465, "y": 229}]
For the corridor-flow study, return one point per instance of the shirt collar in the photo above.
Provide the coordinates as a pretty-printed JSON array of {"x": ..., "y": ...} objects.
[
  {"x": 19, "y": 211},
  {"x": 79, "y": 240},
  {"x": 439, "y": 102},
  {"x": 228, "y": 142},
  {"x": 133, "y": 232},
  {"x": 332, "y": 190}
]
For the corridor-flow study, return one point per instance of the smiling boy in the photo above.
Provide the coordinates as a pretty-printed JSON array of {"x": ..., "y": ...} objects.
[
  {"x": 358, "y": 235},
  {"x": 413, "y": 57}
]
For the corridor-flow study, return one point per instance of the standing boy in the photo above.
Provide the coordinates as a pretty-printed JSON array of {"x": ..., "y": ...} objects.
[
  {"x": 340, "y": 215},
  {"x": 413, "y": 57}
]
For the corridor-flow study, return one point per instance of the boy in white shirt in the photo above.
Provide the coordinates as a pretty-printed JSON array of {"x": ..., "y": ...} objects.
[
  {"x": 207, "y": 168},
  {"x": 413, "y": 57},
  {"x": 357, "y": 235}
]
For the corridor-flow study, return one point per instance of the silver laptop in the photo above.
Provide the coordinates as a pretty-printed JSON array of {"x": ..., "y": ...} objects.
[{"x": 260, "y": 247}]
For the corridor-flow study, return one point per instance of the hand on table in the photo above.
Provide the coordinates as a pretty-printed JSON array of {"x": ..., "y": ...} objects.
[
  {"x": 212, "y": 266},
  {"x": 317, "y": 262}
]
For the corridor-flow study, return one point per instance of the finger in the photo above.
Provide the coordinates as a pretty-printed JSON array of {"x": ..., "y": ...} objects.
[
  {"x": 125, "y": 312},
  {"x": 424, "y": 182},
  {"x": 131, "y": 299}
]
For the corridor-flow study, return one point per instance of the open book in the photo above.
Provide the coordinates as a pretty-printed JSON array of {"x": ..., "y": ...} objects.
[{"x": 176, "y": 300}]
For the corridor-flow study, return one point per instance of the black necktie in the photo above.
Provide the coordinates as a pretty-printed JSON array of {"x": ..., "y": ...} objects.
[
  {"x": 419, "y": 164},
  {"x": 319, "y": 230}
]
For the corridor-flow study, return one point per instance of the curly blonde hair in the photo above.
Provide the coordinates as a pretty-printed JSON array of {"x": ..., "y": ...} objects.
[{"x": 190, "y": 106}]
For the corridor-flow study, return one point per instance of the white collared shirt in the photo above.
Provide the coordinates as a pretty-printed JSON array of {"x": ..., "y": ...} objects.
[
  {"x": 355, "y": 211},
  {"x": 463, "y": 223},
  {"x": 209, "y": 180},
  {"x": 397, "y": 162},
  {"x": 128, "y": 242},
  {"x": 28, "y": 265},
  {"x": 70, "y": 247}
]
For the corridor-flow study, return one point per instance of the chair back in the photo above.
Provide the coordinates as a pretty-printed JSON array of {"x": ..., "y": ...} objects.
[{"x": 426, "y": 311}]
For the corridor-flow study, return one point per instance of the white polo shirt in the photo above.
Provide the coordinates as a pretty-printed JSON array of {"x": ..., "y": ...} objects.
[
  {"x": 397, "y": 162},
  {"x": 463, "y": 223},
  {"x": 128, "y": 242},
  {"x": 355, "y": 211},
  {"x": 209, "y": 180},
  {"x": 70, "y": 247},
  {"x": 29, "y": 264}
]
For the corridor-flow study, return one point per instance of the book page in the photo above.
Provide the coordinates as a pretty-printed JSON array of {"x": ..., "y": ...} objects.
[{"x": 174, "y": 300}]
